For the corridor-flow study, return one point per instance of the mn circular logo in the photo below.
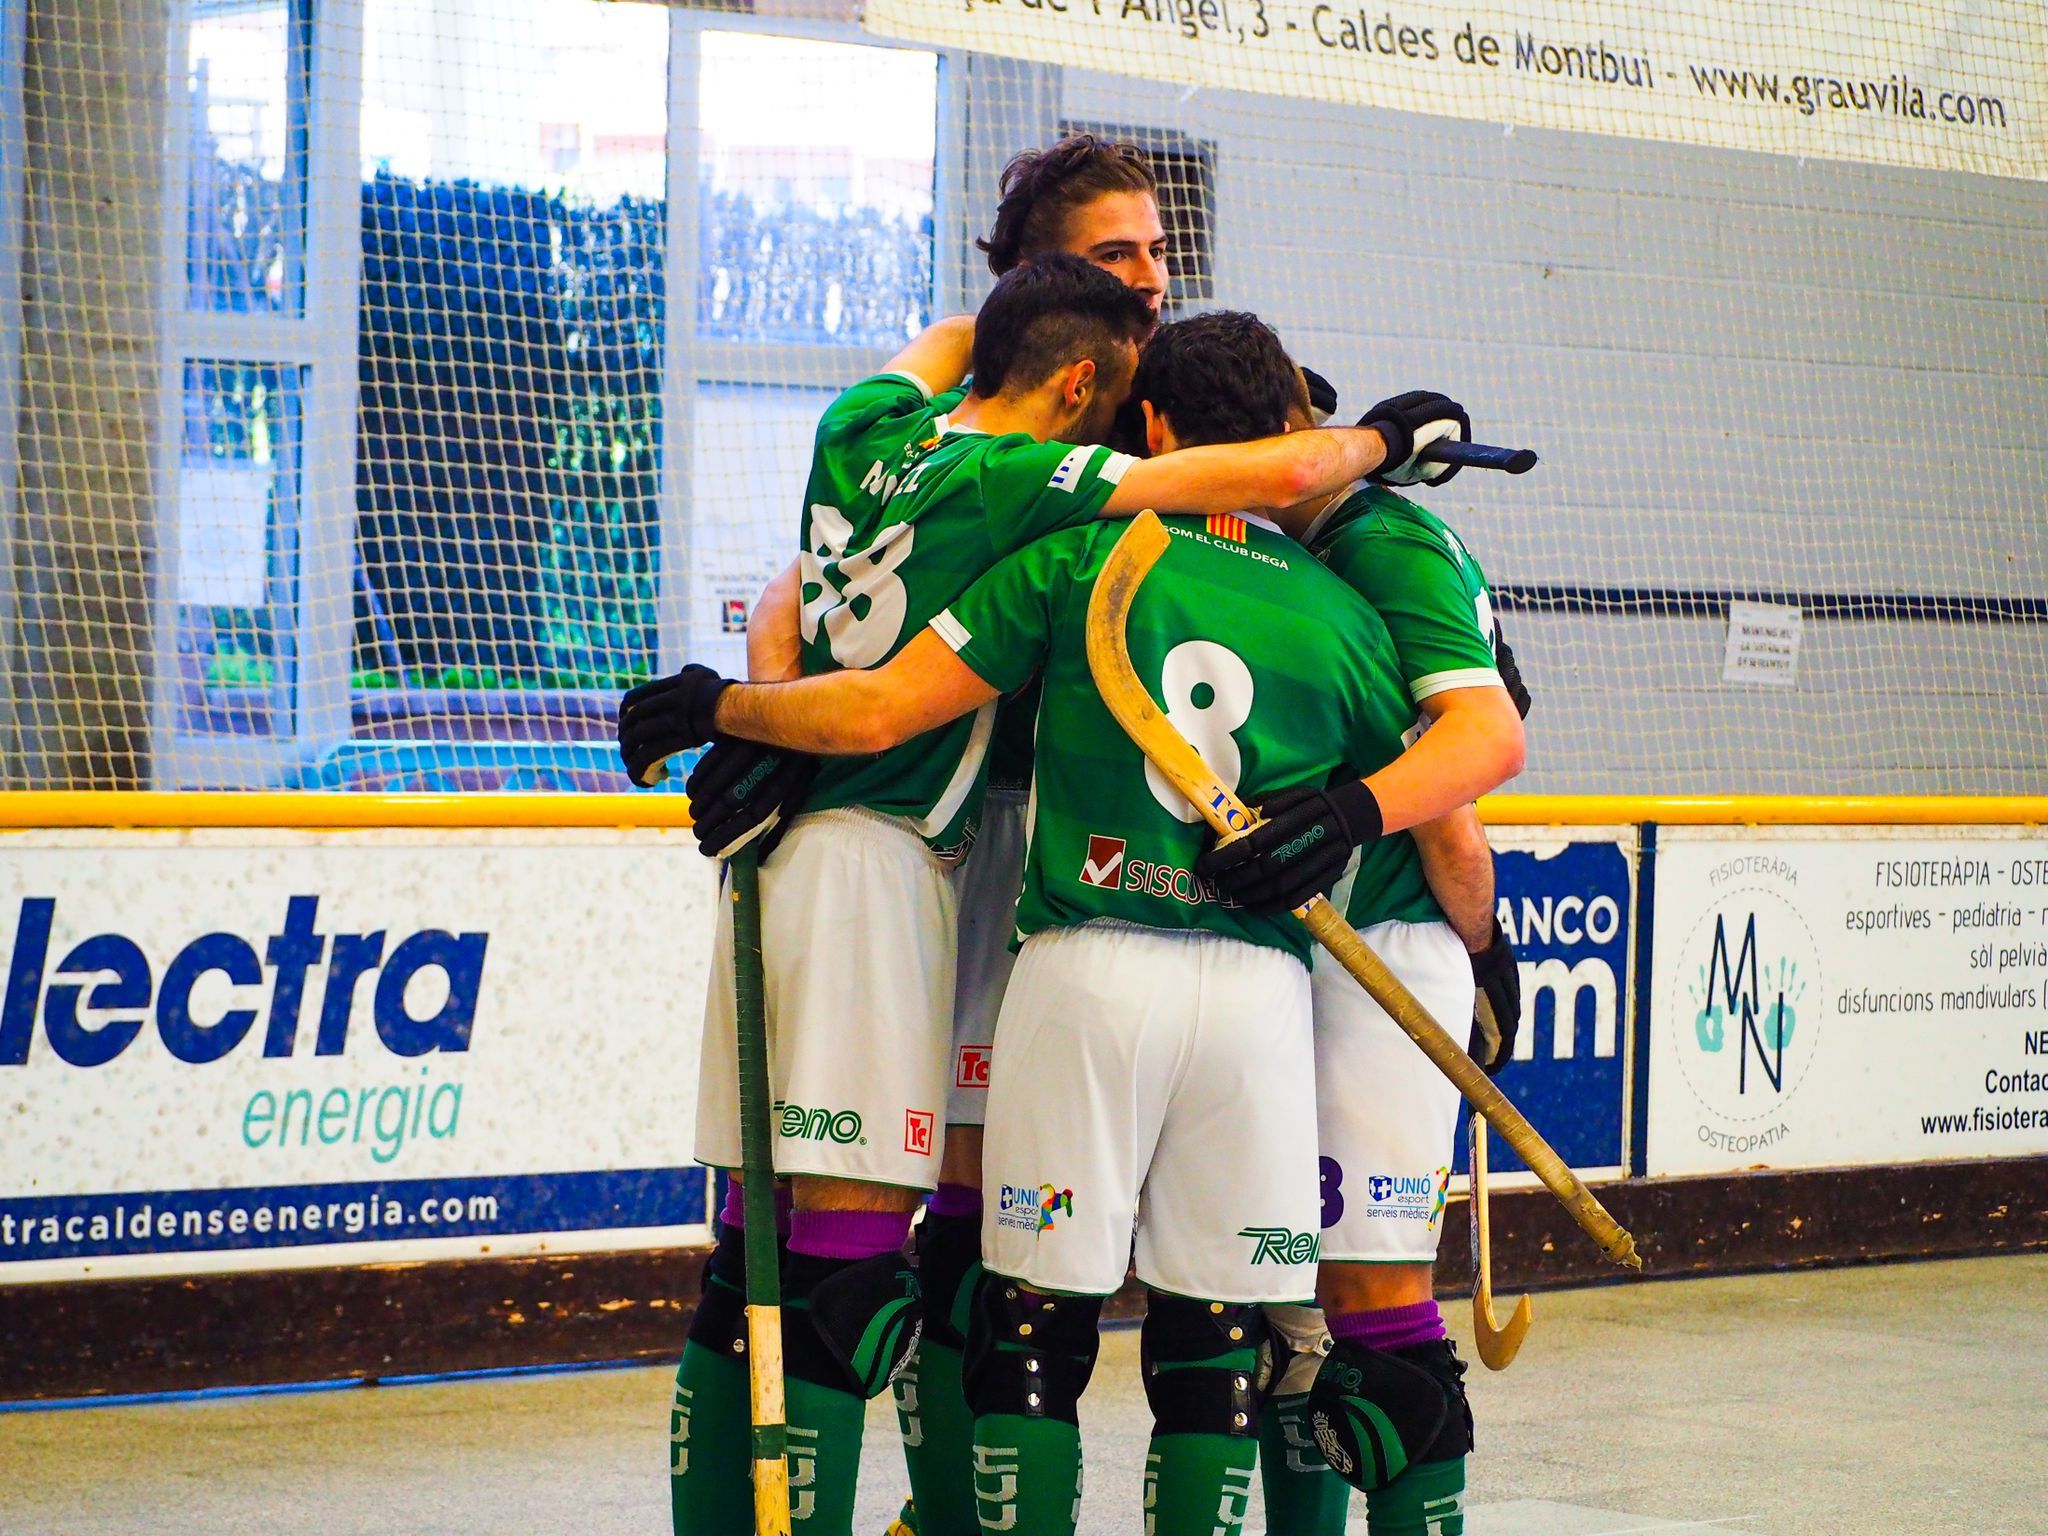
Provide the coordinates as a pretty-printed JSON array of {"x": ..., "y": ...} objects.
[{"x": 1747, "y": 1020}]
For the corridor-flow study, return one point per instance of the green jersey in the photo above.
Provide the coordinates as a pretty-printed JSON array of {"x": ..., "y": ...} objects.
[
  {"x": 1424, "y": 583},
  {"x": 1276, "y": 672},
  {"x": 902, "y": 512},
  {"x": 1406, "y": 562}
]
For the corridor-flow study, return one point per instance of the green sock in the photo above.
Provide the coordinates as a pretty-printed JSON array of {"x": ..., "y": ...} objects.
[
  {"x": 1027, "y": 1475},
  {"x": 825, "y": 1427},
  {"x": 1303, "y": 1496},
  {"x": 1198, "y": 1485},
  {"x": 938, "y": 1441},
  {"x": 1426, "y": 1500},
  {"x": 710, "y": 1459}
]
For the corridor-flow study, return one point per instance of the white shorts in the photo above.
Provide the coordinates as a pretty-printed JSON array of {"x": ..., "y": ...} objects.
[
  {"x": 857, "y": 923},
  {"x": 1388, "y": 1119},
  {"x": 987, "y": 884},
  {"x": 1161, "y": 1077}
]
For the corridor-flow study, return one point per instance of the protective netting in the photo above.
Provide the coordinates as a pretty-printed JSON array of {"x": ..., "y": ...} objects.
[{"x": 356, "y": 442}]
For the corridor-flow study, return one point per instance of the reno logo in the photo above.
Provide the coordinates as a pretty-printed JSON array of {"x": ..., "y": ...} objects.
[
  {"x": 1282, "y": 1245},
  {"x": 800, "y": 1124},
  {"x": 221, "y": 988}
]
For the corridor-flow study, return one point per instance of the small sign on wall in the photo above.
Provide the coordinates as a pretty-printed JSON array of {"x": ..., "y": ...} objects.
[{"x": 1763, "y": 644}]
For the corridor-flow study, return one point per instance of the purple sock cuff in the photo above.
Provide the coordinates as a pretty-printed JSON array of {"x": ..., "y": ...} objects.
[
  {"x": 734, "y": 1212},
  {"x": 1391, "y": 1327},
  {"x": 956, "y": 1200},
  {"x": 848, "y": 1234}
]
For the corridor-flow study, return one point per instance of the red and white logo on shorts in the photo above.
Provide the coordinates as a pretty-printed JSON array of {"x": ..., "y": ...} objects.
[
  {"x": 1105, "y": 862},
  {"x": 917, "y": 1132},
  {"x": 971, "y": 1071}
]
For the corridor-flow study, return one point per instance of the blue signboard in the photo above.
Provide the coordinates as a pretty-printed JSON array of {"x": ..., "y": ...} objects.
[{"x": 1569, "y": 913}]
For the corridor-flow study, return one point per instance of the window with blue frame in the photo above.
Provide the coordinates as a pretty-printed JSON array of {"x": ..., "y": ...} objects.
[
  {"x": 238, "y": 531},
  {"x": 814, "y": 190},
  {"x": 512, "y": 312},
  {"x": 245, "y": 207}
]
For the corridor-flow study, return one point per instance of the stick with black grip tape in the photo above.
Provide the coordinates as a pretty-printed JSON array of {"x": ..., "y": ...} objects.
[
  {"x": 757, "y": 1168},
  {"x": 1509, "y": 461}
]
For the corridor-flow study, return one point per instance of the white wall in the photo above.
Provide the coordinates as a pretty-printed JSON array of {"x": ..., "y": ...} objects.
[{"x": 1743, "y": 371}]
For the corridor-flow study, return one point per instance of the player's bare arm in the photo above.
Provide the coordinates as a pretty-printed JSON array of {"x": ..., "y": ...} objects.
[
  {"x": 1286, "y": 470},
  {"x": 774, "y": 634},
  {"x": 1473, "y": 746},
  {"x": 1458, "y": 864},
  {"x": 939, "y": 356},
  {"x": 1459, "y": 867},
  {"x": 847, "y": 713},
  {"x": 1230, "y": 477}
]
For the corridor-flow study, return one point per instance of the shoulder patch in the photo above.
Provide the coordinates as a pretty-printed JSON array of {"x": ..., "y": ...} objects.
[{"x": 1068, "y": 474}]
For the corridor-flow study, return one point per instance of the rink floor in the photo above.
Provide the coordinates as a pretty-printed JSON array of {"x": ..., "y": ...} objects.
[{"x": 1900, "y": 1399}]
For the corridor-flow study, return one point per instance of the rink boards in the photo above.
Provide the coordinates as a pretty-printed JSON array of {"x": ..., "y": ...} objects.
[{"x": 243, "y": 1048}]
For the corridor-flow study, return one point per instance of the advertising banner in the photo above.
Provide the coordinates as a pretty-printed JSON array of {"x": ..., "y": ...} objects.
[
  {"x": 1566, "y": 900},
  {"x": 1961, "y": 86},
  {"x": 1867, "y": 996},
  {"x": 253, "y": 1049}
]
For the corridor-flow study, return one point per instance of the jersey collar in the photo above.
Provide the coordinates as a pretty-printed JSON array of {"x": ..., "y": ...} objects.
[{"x": 1330, "y": 510}]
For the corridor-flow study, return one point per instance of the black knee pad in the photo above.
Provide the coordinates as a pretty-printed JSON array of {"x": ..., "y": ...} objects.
[
  {"x": 948, "y": 1264},
  {"x": 720, "y": 1321},
  {"x": 1029, "y": 1353},
  {"x": 1374, "y": 1414},
  {"x": 850, "y": 1325},
  {"x": 1439, "y": 1358},
  {"x": 1201, "y": 1362}
]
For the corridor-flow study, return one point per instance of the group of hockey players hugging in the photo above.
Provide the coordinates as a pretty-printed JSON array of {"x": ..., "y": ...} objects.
[{"x": 1012, "y": 980}]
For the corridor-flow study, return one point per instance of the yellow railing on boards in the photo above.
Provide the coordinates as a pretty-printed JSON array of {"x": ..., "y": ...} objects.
[{"x": 325, "y": 810}]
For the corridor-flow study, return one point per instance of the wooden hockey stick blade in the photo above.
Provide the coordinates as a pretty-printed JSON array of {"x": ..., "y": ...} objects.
[
  {"x": 1497, "y": 1346},
  {"x": 1126, "y": 698},
  {"x": 770, "y": 1435},
  {"x": 757, "y": 1167}
]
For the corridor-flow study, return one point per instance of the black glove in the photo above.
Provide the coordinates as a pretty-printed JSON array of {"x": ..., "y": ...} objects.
[
  {"x": 668, "y": 715},
  {"x": 740, "y": 791},
  {"x": 1498, "y": 1017},
  {"x": 1510, "y": 673},
  {"x": 1322, "y": 396},
  {"x": 1298, "y": 851},
  {"x": 1410, "y": 422}
]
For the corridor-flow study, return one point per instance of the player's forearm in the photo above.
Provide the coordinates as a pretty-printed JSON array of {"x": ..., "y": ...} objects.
[
  {"x": 1466, "y": 753},
  {"x": 1271, "y": 472},
  {"x": 836, "y": 715},
  {"x": 940, "y": 356},
  {"x": 848, "y": 714},
  {"x": 774, "y": 644},
  {"x": 1459, "y": 867}
]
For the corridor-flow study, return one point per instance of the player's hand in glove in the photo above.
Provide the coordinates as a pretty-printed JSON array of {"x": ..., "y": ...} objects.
[
  {"x": 1498, "y": 1017},
  {"x": 740, "y": 791},
  {"x": 1510, "y": 672},
  {"x": 1410, "y": 423},
  {"x": 1298, "y": 851},
  {"x": 658, "y": 719}
]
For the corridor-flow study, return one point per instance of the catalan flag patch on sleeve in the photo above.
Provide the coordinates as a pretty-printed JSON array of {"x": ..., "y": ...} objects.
[{"x": 1226, "y": 525}]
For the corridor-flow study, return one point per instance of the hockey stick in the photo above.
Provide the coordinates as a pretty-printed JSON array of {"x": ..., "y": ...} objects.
[
  {"x": 1109, "y": 659},
  {"x": 757, "y": 1168},
  {"x": 1497, "y": 1345},
  {"x": 1451, "y": 450}
]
